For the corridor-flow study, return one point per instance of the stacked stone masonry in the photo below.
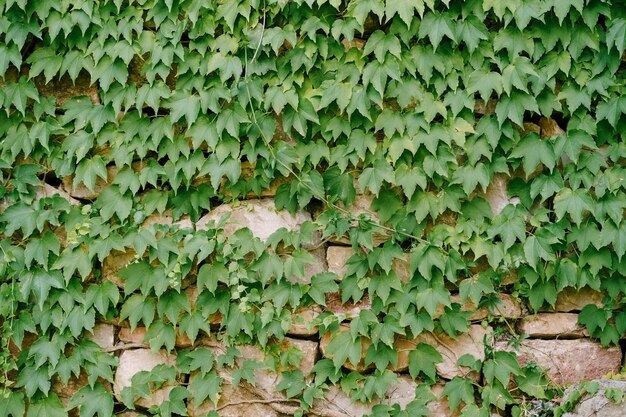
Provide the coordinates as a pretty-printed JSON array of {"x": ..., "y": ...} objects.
[{"x": 553, "y": 338}]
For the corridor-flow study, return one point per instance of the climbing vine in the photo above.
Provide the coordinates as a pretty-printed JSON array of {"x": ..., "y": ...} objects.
[{"x": 116, "y": 115}]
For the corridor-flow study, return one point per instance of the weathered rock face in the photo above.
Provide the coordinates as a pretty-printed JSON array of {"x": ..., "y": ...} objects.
[
  {"x": 497, "y": 195},
  {"x": 64, "y": 89},
  {"x": 257, "y": 398},
  {"x": 571, "y": 300},
  {"x": 260, "y": 216},
  {"x": 552, "y": 325},
  {"x": 568, "y": 361},
  {"x": 137, "y": 360},
  {"x": 166, "y": 218},
  {"x": 598, "y": 405},
  {"x": 103, "y": 334},
  {"x": 138, "y": 337}
]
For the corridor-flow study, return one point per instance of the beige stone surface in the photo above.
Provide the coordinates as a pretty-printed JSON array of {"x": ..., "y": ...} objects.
[
  {"x": 572, "y": 300},
  {"x": 337, "y": 258},
  {"x": 138, "y": 337},
  {"x": 568, "y": 361},
  {"x": 137, "y": 360},
  {"x": 233, "y": 396},
  {"x": 440, "y": 407},
  {"x": 552, "y": 325},
  {"x": 318, "y": 266},
  {"x": 509, "y": 308},
  {"x": 259, "y": 215},
  {"x": 103, "y": 334},
  {"x": 497, "y": 195},
  {"x": 471, "y": 342},
  {"x": 167, "y": 219}
]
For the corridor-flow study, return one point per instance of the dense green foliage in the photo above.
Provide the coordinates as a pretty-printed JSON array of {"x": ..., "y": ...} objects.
[{"x": 323, "y": 93}]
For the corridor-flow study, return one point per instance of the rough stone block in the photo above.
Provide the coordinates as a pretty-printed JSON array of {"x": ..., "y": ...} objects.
[
  {"x": 349, "y": 310},
  {"x": 134, "y": 361},
  {"x": 568, "y": 361},
  {"x": 552, "y": 325},
  {"x": 572, "y": 300},
  {"x": 103, "y": 334},
  {"x": 260, "y": 216}
]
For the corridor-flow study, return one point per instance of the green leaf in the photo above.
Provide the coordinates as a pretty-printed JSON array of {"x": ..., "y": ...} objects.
[
  {"x": 436, "y": 26},
  {"x": 49, "y": 406},
  {"x": 373, "y": 177},
  {"x": 423, "y": 360},
  {"x": 459, "y": 389},
  {"x": 39, "y": 249},
  {"x": 12, "y": 404},
  {"x": 574, "y": 203},
  {"x": 342, "y": 348},
  {"x": 207, "y": 385},
  {"x": 112, "y": 201},
  {"x": 534, "y": 150},
  {"x": 93, "y": 400},
  {"x": 616, "y": 34},
  {"x": 404, "y": 9}
]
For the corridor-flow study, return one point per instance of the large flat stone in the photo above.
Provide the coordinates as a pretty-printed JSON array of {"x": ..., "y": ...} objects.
[
  {"x": 568, "y": 361},
  {"x": 137, "y": 360},
  {"x": 349, "y": 310},
  {"x": 260, "y": 216},
  {"x": 114, "y": 262},
  {"x": 301, "y": 321},
  {"x": 552, "y": 325},
  {"x": 571, "y": 299},
  {"x": 103, "y": 334}
]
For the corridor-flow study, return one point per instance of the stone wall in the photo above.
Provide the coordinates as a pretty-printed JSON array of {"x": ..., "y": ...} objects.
[{"x": 553, "y": 338}]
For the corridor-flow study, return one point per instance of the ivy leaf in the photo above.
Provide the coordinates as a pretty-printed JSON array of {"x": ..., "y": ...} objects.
[
  {"x": 138, "y": 308},
  {"x": 342, "y": 348},
  {"x": 112, "y": 201},
  {"x": 536, "y": 249},
  {"x": 206, "y": 385},
  {"x": 423, "y": 360},
  {"x": 93, "y": 400},
  {"x": 373, "y": 177},
  {"x": 404, "y": 9},
  {"x": 12, "y": 404},
  {"x": 459, "y": 389},
  {"x": 382, "y": 43},
  {"x": 360, "y": 9},
  {"x": 435, "y": 26},
  {"x": 514, "y": 106},
  {"x": 171, "y": 304},
  {"x": 574, "y": 203},
  {"x": 49, "y": 406},
  {"x": 321, "y": 284},
  {"x": 39, "y": 249},
  {"x": 616, "y": 34},
  {"x": 533, "y": 150}
]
